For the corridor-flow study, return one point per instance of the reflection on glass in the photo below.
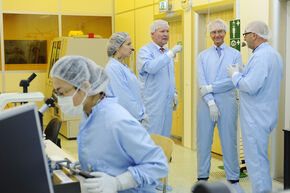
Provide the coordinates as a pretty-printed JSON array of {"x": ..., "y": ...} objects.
[{"x": 25, "y": 51}]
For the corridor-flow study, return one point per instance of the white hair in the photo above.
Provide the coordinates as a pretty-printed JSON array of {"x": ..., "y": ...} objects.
[
  {"x": 157, "y": 24},
  {"x": 217, "y": 24}
]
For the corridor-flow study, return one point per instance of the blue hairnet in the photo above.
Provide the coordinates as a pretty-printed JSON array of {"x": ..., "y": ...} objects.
[
  {"x": 116, "y": 40},
  {"x": 82, "y": 73},
  {"x": 260, "y": 28},
  {"x": 217, "y": 24}
]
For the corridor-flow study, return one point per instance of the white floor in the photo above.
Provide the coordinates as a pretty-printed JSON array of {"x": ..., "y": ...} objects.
[{"x": 182, "y": 174}]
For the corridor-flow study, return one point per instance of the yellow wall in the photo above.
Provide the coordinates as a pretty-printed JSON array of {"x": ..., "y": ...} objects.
[
  {"x": 125, "y": 22},
  {"x": 30, "y": 27},
  {"x": 30, "y": 5},
  {"x": 135, "y": 18},
  {"x": 261, "y": 13},
  {"x": 94, "y": 7},
  {"x": 88, "y": 24},
  {"x": 205, "y": 2},
  {"x": 142, "y": 3},
  {"x": 123, "y": 5},
  {"x": 143, "y": 20}
]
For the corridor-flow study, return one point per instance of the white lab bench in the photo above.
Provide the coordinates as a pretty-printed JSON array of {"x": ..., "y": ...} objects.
[{"x": 57, "y": 154}]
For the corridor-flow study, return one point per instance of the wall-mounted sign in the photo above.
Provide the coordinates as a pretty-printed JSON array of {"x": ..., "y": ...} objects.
[
  {"x": 163, "y": 6},
  {"x": 235, "y": 34}
]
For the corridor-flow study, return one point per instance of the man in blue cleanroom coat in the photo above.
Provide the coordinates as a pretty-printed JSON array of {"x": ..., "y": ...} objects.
[
  {"x": 112, "y": 145},
  {"x": 123, "y": 82},
  {"x": 155, "y": 67},
  {"x": 217, "y": 104},
  {"x": 259, "y": 91}
]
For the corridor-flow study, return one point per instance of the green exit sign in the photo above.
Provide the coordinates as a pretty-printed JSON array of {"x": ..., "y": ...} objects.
[
  {"x": 235, "y": 34},
  {"x": 235, "y": 28},
  {"x": 163, "y": 6}
]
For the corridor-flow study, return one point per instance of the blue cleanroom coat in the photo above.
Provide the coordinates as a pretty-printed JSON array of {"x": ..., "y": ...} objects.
[
  {"x": 212, "y": 71},
  {"x": 126, "y": 87},
  {"x": 156, "y": 73},
  {"x": 259, "y": 91},
  {"x": 110, "y": 140}
]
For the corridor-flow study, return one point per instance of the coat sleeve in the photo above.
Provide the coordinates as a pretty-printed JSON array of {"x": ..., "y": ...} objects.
[
  {"x": 253, "y": 79},
  {"x": 226, "y": 84},
  {"x": 202, "y": 79},
  {"x": 147, "y": 63},
  {"x": 150, "y": 163},
  {"x": 119, "y": 87}
]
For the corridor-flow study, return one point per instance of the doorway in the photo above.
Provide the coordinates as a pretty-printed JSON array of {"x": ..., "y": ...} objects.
[
  {"x": 176, "y": 36},
  {"x": 206, "y": 42}
]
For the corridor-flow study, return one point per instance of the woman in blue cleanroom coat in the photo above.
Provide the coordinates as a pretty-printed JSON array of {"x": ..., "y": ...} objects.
[
  {"x": 123, "y": 82},
  {"x": 112, "y": 144}
]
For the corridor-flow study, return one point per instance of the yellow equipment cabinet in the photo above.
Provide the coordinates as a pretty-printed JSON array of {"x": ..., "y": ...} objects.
[{"x": 93, "y": 48}]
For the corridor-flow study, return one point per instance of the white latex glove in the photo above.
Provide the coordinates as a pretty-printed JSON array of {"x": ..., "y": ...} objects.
[
  {"x": 232, "y": 70},
  {"x": 145, "y": 121},
  {"x": 101, "y": 183},
  {"x": 175, "y": 102},
  {"x": 205, "y": 90},
  {"x": 213, "y": 110},
  {"x": 171, "y": 53},
  {"x": 104, "y": 183}
]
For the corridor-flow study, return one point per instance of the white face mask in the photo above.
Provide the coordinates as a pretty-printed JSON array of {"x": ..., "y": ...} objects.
[{"x": 66, "y": 105}]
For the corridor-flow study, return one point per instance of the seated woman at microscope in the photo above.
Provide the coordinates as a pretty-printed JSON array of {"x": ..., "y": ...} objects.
[{"x": 112, "y": 145}]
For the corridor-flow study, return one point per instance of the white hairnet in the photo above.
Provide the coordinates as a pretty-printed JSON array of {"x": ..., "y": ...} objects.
[
  {"x": 116, "y": 40},
  {"x": 260, "y": 28},
  {"x": 217, "y": 24},
  {"x": 77, "y": 69},
  {"x": 157, "y": 24}
]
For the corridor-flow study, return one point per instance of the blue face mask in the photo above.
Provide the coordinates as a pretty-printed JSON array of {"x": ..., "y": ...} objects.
[{"x": 66, "y": 105}]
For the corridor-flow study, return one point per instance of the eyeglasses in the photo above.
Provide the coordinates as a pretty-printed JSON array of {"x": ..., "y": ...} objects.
[
  {"x": 246, "y": 33},
  {"x": 64, "y": 92}
]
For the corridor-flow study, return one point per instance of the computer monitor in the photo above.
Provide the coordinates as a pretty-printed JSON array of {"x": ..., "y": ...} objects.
[{"x": 24, "y": 167}]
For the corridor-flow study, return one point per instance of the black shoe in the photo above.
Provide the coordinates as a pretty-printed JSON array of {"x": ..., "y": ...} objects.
[
  {"x": 202, "y": 179},
  {"x": 233, "y": 181}
]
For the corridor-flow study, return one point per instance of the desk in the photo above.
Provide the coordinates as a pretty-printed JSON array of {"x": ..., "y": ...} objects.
[{"x": 55, "y": 153}]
